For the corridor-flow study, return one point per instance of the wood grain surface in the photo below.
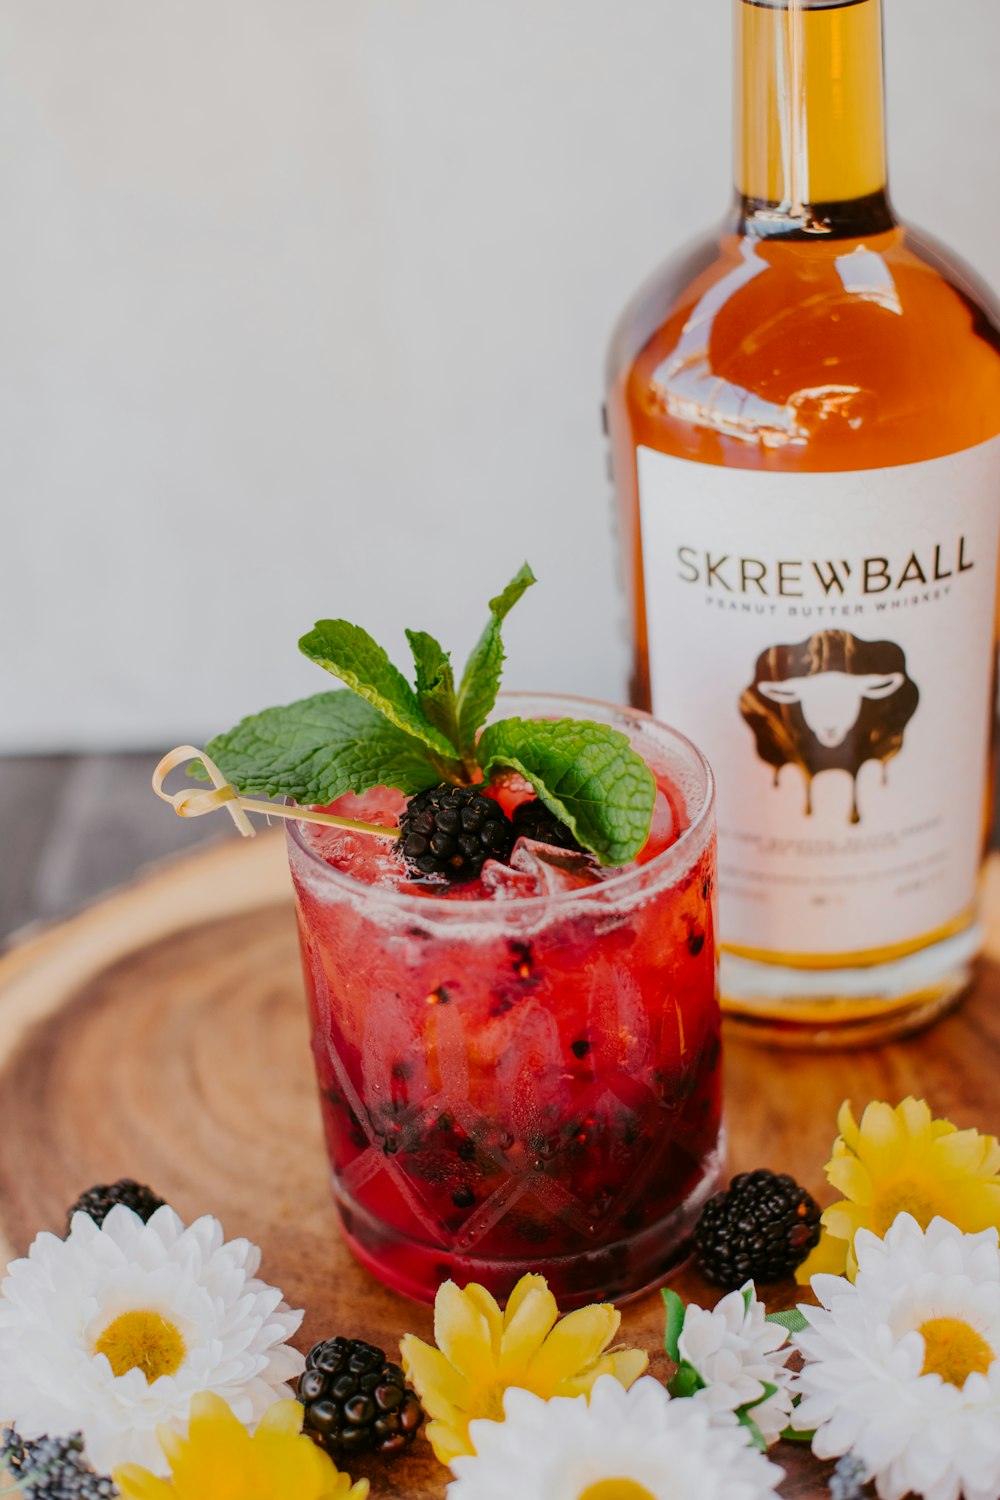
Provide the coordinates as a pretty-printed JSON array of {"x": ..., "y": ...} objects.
[{"x": 161, "y": 1034}]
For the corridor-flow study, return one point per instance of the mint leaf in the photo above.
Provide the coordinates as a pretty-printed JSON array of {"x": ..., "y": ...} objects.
[
  {"x": 481, "y": 678},
  {"x": 350, "y": 654},
  {"x": 675, "y": 1315},
  {"x": 319, "y": 748},
  {"x": 586, "y": 774},
  {"x": 435, "y": 684}
]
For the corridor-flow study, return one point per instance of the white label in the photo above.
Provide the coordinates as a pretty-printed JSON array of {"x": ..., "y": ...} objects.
[{"x": 827, "y": 640}]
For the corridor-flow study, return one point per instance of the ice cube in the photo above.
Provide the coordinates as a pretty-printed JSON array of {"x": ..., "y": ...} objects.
[
  {"x": 663, "y": 829},
  {"x": 554, "y": 871},
  {"x": 502, "y": 883}
]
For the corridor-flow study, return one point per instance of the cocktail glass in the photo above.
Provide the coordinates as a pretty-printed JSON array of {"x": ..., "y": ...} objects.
[{"x": 522, "y": 1074}]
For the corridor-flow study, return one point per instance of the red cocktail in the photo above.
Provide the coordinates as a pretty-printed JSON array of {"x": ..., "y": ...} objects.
[{"x": 521, "y": 1072}]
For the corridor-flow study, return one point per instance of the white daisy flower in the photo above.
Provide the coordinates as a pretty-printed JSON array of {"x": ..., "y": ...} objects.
[
  {"x": 633, "y": 1444},
  {"x": 738, "y": 1354},
  {"x": 113, "y": 1330},
  {"x": 904, "y": 1366}
]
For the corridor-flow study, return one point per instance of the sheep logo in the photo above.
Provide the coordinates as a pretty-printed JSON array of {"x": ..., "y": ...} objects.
[{"x": 829, "y": 704}]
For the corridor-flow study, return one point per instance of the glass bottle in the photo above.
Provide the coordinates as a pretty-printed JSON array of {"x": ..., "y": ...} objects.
[{"x": 803, "y": 409}]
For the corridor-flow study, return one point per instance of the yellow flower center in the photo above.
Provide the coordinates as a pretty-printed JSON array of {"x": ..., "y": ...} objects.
[
  {"x": 905, "y": 1197},
  {"x": 616, "y": 1489},
  {"x": 954, "y": 1350},
  {"x": 142, "y": 1341}
]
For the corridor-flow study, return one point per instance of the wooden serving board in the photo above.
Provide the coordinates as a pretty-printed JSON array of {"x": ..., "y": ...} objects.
[{"x": 161, "y": 1034}]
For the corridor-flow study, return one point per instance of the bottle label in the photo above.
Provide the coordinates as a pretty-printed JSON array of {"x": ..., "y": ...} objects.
[{"x": 828, "y": 642}]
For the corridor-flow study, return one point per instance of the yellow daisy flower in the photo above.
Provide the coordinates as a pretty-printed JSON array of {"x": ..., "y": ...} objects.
[
  {"x": 903, "y": 1160},
  {"x": 219, "y": 1460},
  {"x": 483, "y": 1351}
]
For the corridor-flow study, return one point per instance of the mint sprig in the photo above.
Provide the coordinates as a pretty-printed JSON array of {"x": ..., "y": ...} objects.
[{"x": 383, "y": 732}]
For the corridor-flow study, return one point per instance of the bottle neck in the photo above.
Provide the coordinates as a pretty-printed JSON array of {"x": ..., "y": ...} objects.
[{"x": 810, "y": 131}]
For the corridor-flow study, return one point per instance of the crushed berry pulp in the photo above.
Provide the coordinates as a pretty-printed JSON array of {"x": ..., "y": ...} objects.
[{"x": 517, "y": 1073}]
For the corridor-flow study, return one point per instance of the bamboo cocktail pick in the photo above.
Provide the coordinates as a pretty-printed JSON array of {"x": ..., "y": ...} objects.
[{"x": 194, "y": 802}]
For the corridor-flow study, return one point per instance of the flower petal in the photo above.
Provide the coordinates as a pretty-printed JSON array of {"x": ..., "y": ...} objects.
[
  {"x": 844, "y": 1218},
  {"x": 574, "y": 1343},
  {"x": 829, "y": 1257},
  {"x": 135, "y": 1483},
  {"x": 625, "y": 1365},
  {"x": 847, "y": 1126},
  {"x": 881, "y": 1138},
  {"x": 448, "y": 1442},
  {"x": 975, "y": 1205},
  {"x": 851, "y": 1178},
  {"x": 534, "y": 1315},
  {"x": 434, "y": 1379},
  {"x": 462, "y": 1333},
  {"x": 527, "y": 1284},
  {"x": 639, "y": 1441},
  {"x": 207, "y": 1407},
  {"x": 914, "y": 1115},
  {"x": 283, "y": 1417},
  {"x": 488, "y": 1306}
]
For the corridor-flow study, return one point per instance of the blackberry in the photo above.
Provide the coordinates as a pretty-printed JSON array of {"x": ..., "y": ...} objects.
[
  {"x": 532, "y": 820},
  {"x": 50, "y": 1468},
  {"x": 100, "y": 1200},
  {"x": 452, "y": 831},
  {"x": 760, "y": 1230},
  {"x": 355, "y": 1400}
]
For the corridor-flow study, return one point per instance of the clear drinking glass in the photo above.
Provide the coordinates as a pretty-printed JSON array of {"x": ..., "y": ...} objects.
[{"x": 524, "y": 1076}]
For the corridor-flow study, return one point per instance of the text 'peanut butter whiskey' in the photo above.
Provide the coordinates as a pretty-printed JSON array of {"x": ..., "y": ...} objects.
[{"x": 804, "y": 411}]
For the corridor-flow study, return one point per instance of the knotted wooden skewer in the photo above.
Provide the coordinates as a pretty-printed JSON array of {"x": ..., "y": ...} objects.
[{"x": 194, "y": 802}]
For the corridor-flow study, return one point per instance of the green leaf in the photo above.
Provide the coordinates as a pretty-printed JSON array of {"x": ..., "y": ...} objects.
[
  {"x": 793, "y": 1320},
  {"x": 685, "y": 1381},
  {"x": 319, "y": 748},
  {"x": 675, "y": 1312},
  {"x": 481, "y": 679},
  {"x": 793, "y": 1435},
  {"x": 350, "y": 654},
  {"x": 435, "y": 684},
  {"x": 586, "y": 774}
]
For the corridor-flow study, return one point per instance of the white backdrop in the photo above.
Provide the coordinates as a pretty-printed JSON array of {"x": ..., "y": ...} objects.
[{"x": 303, "y": 309}]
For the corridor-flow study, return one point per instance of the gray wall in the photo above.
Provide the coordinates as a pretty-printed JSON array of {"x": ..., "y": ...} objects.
[{"x": 303, "y": 306}]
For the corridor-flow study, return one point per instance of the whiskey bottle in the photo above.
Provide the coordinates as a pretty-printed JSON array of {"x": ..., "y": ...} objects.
[{"x": 804, "y": 410}]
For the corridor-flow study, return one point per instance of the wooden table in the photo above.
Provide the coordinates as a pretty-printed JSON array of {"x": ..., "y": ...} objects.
[{"x": 161, "y": 1034}]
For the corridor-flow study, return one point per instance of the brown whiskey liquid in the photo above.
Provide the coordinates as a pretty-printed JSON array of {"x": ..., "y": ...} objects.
[{"x": 813, "y": 334}]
